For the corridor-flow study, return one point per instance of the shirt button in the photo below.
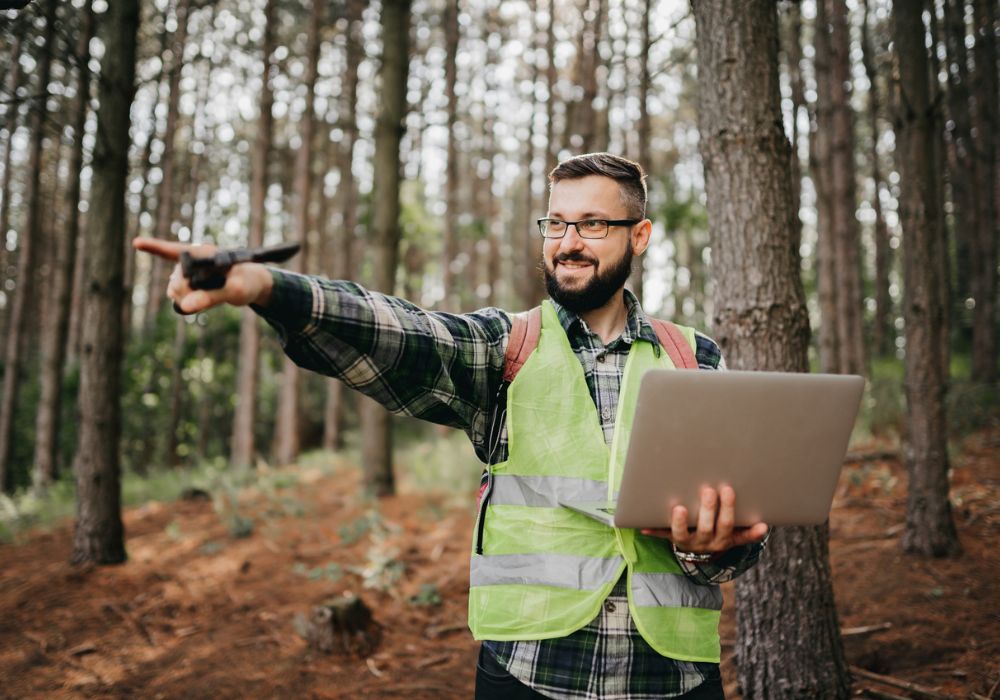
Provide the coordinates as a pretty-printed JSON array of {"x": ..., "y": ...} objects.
[
  {"x": 606, "y": 413},
  {"x": 609, "y": 606},
  {"x": 601, "y": 357}
]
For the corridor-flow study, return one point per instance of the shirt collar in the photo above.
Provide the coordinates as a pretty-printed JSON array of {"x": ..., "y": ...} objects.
[{"x": 637, "y": 325}]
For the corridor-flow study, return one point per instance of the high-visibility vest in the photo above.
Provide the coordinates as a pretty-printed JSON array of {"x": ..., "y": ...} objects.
[{"x": 542, "y": 571}]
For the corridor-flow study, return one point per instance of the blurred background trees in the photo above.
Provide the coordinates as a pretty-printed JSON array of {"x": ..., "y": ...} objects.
[{"x": 255, "y": 121}]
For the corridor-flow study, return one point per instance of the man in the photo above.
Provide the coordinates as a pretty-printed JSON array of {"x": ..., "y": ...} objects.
[{"x": 566, "y": 607}]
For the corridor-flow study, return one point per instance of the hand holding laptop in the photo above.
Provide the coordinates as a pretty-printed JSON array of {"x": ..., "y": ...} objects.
[{"x": 715, "y": 532}]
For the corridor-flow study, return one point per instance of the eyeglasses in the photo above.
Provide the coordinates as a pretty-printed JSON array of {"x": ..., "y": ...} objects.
[{"x": 586, "y": 228}]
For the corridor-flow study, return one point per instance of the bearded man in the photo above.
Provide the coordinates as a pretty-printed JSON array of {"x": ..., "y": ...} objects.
[{"x": 565, "y": 607}]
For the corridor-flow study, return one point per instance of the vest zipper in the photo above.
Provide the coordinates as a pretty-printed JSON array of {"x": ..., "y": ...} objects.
[{"x": 493, "y": 441}]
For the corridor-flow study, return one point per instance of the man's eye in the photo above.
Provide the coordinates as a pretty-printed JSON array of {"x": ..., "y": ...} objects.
[
  {"x": 593, "y": 224},
  {"x": 556, "y": 225}
]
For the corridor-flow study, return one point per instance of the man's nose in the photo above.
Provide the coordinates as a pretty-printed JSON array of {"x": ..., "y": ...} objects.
[{"x": 571, "y": 240}]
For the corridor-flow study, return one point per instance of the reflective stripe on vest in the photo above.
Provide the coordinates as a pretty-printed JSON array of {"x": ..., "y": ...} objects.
[{"x": 545, "y": 570}]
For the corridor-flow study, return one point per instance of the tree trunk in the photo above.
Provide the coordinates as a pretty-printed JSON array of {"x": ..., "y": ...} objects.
[
  {"x": 929, "y": 526},
  {"x": 792, "y": 47},
  {"x": 882, "y": 330},
  {"x": 99, "y": 534},
  {"x": 249, "y": 354},
  {"x": 10, "y": 115},
  {"x": 451, "y": 37},
  {"x": 987, "y": 154},
  {"x": 820, "y": 155},
  {"x": 789, "y": 644},
  {"x": 343, "y": 263},
  {"x": 165, "y": 196},
  {"x": 961, "y": 163},
  {"x": 53, "y": 348},
  {"x": 19, "y": 318},
  {"x": 287, "y": 430},
  {"x": 644, "y": 130},
  {"x": 376, "y": 448}
]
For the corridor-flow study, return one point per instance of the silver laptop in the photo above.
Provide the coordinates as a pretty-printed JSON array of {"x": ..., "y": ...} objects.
[{"x": 777, "y": 438}]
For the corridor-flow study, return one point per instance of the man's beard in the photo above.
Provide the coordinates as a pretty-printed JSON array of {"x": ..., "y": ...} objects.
[{"x": 595, "y": 293}]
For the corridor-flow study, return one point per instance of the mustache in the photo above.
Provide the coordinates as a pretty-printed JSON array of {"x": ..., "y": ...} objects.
[{"x": 575, "y": 256}]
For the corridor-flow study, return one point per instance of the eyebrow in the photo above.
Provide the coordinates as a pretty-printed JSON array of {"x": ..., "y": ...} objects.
[{"x": 587, "y": 215}]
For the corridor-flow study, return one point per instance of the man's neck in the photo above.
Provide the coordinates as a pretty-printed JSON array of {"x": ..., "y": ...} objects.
[{"x": 608, "y": 321}]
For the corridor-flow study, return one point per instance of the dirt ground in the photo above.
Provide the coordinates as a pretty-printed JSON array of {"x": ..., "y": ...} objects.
[{"x": 197, "y": 613}]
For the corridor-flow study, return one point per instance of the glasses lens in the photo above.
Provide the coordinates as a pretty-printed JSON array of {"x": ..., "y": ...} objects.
[
  {"x": 593, "y": 228},
  {"x": 552, "y": 228}
]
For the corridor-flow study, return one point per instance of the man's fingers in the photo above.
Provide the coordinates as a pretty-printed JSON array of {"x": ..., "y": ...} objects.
[
  {"x": 748, "y": 535},
  {"x": 199, "y": 300},
  {"x": 727, "y": 512},
  {"x": 707, "y": 512},
  {"x": 679, "y": 526},
  {"x": 167, "y": 250}
]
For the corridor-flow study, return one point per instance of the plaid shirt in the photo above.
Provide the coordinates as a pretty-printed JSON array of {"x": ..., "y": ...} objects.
[{"x": 447, "y": 368}]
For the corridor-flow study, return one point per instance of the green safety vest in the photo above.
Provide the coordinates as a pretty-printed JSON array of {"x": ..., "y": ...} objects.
[{"x": 544, "y": 570}]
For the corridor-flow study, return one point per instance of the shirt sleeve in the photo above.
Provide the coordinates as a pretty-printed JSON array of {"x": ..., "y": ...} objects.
[
  {"x": 439, "y": 367},
  {"x": 737, "y": 560}
]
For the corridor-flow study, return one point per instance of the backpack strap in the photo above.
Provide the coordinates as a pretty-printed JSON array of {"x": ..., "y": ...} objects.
[
  {"x": 673, "y": 341},
  {"x": 525, "y": 330}
]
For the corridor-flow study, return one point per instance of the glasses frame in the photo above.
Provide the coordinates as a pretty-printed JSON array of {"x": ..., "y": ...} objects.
[{"x": 543, "y": 222}]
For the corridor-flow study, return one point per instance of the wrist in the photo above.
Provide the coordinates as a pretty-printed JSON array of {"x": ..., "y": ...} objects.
[
  {"x": 695, "y": 557},
  {"x": 266, "y": 286}
]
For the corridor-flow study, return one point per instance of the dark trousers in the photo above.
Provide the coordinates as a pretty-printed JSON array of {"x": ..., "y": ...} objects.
[{"x": 494, "y": 683}]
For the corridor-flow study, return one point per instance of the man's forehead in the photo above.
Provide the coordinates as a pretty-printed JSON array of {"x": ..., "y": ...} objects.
[{"x": 593, "y": 191}]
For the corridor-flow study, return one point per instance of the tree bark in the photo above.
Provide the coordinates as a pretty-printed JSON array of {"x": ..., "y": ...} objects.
[
  {"x": 376, "y": 448},
  {"x": 987, "y": 154},
  {"x": 929, "y": 526},
  {"x": 242, "y": 441},
  {"x": 19, "y": 318},
  {"x": 792, "y": 47},
  {"x": 450, "y": 232},
  {"x": 287, "y": 430},
  {"x": 53, "y": 348},
  {"x": 820, "y": 155},
  {"x": 10, "y": 115},
  {"x": 961, "y": 162},
  {"x": 644, "y": 130},
  {"x": 882, "y": 330},
  {"x": 99, "y": 534},
  {"x": 789, "y": 644},
  {"x": 165, "y": 193},
  {"x": 343, "y": 260}
]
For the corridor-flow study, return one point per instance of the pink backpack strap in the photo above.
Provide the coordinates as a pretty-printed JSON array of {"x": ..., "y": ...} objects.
[
  {"x": 524, "y": 333},
  {"x": 673, "y": 341}
]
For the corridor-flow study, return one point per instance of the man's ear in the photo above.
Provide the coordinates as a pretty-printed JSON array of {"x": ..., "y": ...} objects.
[{"x": 640, "y": 236}]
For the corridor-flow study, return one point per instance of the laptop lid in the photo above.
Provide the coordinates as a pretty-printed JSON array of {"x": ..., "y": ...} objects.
[{"x": 777, "y": 438}]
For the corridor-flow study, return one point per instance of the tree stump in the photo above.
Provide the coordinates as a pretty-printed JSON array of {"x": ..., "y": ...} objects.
[{"x": 343, "y": 626}]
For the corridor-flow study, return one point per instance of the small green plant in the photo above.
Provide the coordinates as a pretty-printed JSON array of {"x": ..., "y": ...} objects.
[
  {"x": 427, "y": 596},
  {"x": 359, "y": 527},
  {"x": 329, "y": 572}
]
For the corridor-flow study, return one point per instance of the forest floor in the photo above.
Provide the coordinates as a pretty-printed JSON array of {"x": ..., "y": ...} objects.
[{"x": 199, "y": 613}]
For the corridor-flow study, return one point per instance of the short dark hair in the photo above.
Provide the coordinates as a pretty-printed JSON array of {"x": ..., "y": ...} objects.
[{"x": 628, "y": 174}]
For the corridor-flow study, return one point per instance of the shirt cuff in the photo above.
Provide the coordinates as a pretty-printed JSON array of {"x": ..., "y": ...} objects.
[{"x": 290, "y": 308}]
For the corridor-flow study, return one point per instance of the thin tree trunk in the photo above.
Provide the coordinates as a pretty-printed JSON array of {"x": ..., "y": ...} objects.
[
  {"x": 882, "y": 332},
  {"x": 792, "y": 47},
  {"x": 762, "y": 323},
  {"x": 987, "y": 154},
  {"x": 961, "y": 163},
  {"x": 929, "y": 526},
  {"x": 242, "y": 440},
  {"x": 165, "y": 197},
  {"x": 820, "y": 155},
  {"x": 19, "y": 318},
  {"x": 376, "y": 449},
  {"x": 644, "y": 130},
  {"x": 99, "y": 534},
  {"x": 451, "y": 38},
  {"x": 843, "y": 224},
  {"x": 11, "y": 115},
  {"x": 333, "y": 425},
  {"x": 288, "y": 426},
  {"x": 53, "y": 349}
]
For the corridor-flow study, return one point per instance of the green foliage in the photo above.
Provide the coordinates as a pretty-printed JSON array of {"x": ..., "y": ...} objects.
[
  {"x": 427, "y": 461},
  {"x": 427, "y": 596},
  {"x": 329, "y": 572}
]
